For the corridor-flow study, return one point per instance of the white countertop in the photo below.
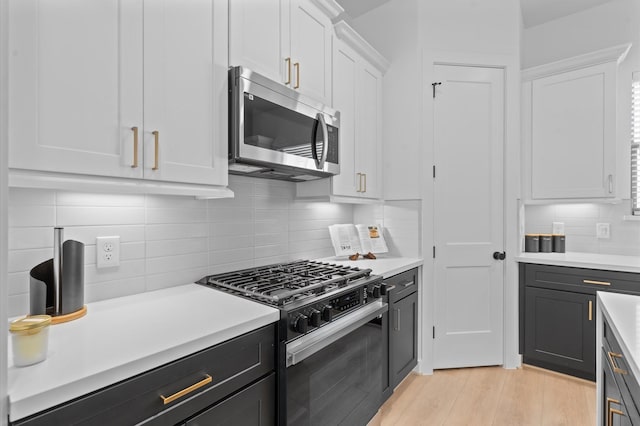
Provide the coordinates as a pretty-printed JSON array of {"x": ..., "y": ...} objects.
[
  {"x": 622, "y": 312},
  {"x": 385, "y": 266},
  {"x": 610, "y": 262},
  {"x": 119, "y": 338}
]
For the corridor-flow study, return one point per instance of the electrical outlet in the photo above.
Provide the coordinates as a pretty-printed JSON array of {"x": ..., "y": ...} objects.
[
  {"x": 108, "y": 252},
  {"x": 558, "y": 228},
  {"x": 603, "y": 230}
]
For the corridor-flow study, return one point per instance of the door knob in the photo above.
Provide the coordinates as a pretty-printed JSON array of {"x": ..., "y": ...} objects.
[{"x": 499, "y": 256}]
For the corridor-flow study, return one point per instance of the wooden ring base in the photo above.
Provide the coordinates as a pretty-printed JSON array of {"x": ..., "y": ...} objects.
[{"x": 69, "y": 317}]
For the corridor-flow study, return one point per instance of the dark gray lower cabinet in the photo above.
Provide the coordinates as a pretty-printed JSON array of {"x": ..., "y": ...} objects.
[
  {"x": 254, "y": 405},
  {"x": 620, "y": 389},
  {"x": 557, "y": 314},
  {"x": 403, "y": 325},
  {"x": 217, "y": 380},
  {"x": 561, "y": 331}
]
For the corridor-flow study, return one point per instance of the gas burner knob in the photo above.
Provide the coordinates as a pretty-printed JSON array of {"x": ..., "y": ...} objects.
[
  {"x": 314, "y": 317},
  {"x": 299, "y": 323},
  {"x": 327, "y": 313}
]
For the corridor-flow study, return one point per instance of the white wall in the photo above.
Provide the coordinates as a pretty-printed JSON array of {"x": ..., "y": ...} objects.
[
  {"x": 165, "y": 240},
  {"x": 3, "y": 206},
  {"x": 413, "y": 35}
]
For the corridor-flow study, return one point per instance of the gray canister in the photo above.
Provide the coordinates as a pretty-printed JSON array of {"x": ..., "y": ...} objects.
[
  {"x": 558, "y": 243},
  {"x": 546, "y": 243},
  {"x": 532, "y": 243}
]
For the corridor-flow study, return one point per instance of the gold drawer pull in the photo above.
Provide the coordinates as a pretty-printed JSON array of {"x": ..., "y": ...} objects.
[
  {"x": 596, "y": 282},
  {"x": 288, "y": 61},
  {"x": 169, "y": 399},
  {"x": 296, "y": 66},
  {"x": 614, "y": 365},
  {"x": 611, "y": 411},
  {"x": 590, "y": 310}
]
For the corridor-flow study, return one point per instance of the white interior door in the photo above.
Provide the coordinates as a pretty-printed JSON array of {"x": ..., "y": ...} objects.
[{"x": 468, "y": 211}]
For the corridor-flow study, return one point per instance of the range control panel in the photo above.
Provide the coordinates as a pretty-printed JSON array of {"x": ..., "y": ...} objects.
[{"x": 305, "y": 319}]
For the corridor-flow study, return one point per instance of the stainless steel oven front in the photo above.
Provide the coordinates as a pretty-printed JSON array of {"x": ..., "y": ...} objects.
[
  {"x": 336, "y": 375},
  {"x": 277, "y": 133}
]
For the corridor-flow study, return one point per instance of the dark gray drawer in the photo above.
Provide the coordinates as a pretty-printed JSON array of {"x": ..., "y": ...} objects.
[
  {"x": 627, "y": 383},
  {"x": 254, "y": 405},
  {"x": 580, "y": 280},
  {"x": 405, "y": 284},
  {"x": 230, "y": 365}
]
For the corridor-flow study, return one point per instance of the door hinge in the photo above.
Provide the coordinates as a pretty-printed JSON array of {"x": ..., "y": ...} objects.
[
  {"x": 434, "y": 87},
  {"x": 434, "y": 331},
  {"x": 434, "y": 252},
  {"x": 434, "y": 171}
]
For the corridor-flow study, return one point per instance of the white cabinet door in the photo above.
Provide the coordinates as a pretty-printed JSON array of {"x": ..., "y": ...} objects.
[
  {"x": 573, "y": 134},
  {"x": 344, "y": 100},
  {"x": 357, "y": 92},
  {"x": 311, "y": 50},
  {"x": 75, "y": 85},
  {"x": 259, "y": 37},
  {"x": 368, "y": 130},
  {"x": 181, "y": 111}
]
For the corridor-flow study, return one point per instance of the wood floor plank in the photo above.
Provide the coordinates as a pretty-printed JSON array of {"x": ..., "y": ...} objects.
[
  {"x": 490, "y": 396},
  {"x": 563, "y": 402},
  {"x": 478, "y": 402},
  {"x": 521, "y": 399},
  {"x": 432, "y": 405}
]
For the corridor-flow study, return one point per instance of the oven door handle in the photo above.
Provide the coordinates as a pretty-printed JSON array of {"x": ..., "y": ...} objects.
[{"x": 305, "y": 346}]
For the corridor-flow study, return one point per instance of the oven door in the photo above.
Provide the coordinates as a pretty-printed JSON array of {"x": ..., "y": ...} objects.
[{"x": 336, "y": 375}]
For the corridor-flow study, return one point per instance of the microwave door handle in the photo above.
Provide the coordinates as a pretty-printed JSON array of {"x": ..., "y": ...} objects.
[{"x": 325, "y": 141}]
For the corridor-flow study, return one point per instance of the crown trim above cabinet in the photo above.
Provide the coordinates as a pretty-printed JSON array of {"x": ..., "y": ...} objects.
[
  {"x": 616, "y": 53},
  {"x": 347, "y": 34}
]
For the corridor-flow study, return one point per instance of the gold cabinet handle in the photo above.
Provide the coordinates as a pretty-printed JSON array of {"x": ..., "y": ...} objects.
[
  {"x": 156, "y": 137},
  {"x": 288, "y": 61},
  {"x": 297, "y": 68},
  {"x": 596, "y": 282},
  {"x": 359, "y": 182},
  {"x": 169, "y": 399},
  {"x": 135, "y": 147},
  {"x": 590, "y": 310},
  {"x": 614, "y": 365},
  {"x": 365, "y": 182},
  {"x": 611, "y": 411}
]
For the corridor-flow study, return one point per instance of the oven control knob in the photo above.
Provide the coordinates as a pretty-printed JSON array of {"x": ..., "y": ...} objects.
[
  {"x": 375, "y": 292},
  {"x": 299, "y": 323},
  {"x": 383, "y": 289},
  {"x": 327, "y": 313},
  {"x": 314, "y": 317}
]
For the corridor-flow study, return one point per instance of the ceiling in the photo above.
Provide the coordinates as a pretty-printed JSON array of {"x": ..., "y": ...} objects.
[{"x": 534, "y": 12}]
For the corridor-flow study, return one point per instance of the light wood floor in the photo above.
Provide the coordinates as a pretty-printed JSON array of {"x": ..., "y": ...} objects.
[{"x": 490, "y": 396}]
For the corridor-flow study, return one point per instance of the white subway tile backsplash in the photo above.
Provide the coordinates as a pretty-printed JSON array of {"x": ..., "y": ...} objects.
[
  {"x": 30, "y": 238},
  {"x": 83, "y": 215},
  {"x": 31, "y": 215},
  {"x": 580, "y": 226},
  {"x": 172, "y": 240},
  {"x": 162, "y": 248}
]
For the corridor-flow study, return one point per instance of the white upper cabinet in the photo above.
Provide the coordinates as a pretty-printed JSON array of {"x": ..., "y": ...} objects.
[
  {"x": 94, "y": 85},
  {"x": 357, "y": 94},
  {"x": 569, "y": 128},
  {"x": 75, "y": 71},
  {"x": 286, "y": 40}
]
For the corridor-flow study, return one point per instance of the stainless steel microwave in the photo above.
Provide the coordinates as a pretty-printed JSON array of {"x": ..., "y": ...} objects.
[{"x": 276, "y": 133}]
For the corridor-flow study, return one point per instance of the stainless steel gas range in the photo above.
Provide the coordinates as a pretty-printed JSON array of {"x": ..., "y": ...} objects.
[{"x": 332, "y": 337}]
